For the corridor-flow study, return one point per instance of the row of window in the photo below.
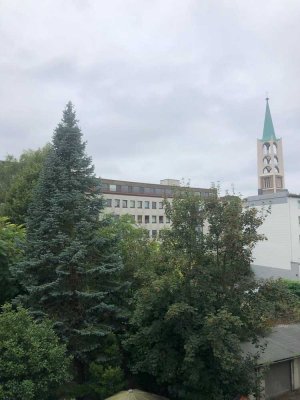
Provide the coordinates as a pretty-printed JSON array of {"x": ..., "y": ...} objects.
[
  {"x": 137, "y": 189},
  {"x": 268, "y": 169},
  {"x": 134, "y": 204},
  {"x": 267, "y": 148},
  {"x": 147, "y": 219},
  {"x": 144, "y": 189},
  {"x": 267, "y": 182},
  {"x": 154, "y": 219}
]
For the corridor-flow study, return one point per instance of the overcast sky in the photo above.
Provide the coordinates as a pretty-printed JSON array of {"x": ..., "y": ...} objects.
[{"x": 162, "y": 88}]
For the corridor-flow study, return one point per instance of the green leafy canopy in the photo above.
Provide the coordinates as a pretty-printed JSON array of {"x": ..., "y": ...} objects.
[{"x": 33, "y": 364}]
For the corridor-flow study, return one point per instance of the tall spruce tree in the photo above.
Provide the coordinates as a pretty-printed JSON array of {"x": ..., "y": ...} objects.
[{"x": 71, "y": 271}]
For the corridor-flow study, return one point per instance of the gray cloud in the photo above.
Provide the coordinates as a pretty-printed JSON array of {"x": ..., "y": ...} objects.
[{"x": 162, "y": 89}]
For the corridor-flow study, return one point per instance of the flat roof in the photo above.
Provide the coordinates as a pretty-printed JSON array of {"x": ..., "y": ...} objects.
[
  {"x": 154, "y": 185},
  {"x": 269, "y": 196}
]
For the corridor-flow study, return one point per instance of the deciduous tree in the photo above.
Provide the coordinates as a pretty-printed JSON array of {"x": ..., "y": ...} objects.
[
  {"x": 33, "y": 364},
  {"x": 19, "y": 194},
  {"x": 203, "y": 301},
  {"x": 11, "y": 252}
]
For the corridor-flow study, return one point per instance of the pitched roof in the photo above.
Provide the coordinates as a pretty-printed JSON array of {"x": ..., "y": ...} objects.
[
  {"x": 283, "y": 343},
  {"x": 268, "y": 133}
]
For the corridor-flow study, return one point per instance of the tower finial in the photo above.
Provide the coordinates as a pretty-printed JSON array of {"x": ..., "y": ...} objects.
[{"x": 267, "y": 97}]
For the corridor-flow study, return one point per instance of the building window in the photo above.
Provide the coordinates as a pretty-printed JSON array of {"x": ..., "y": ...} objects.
[
  {"x": 299, "y": 220},
  {"x": 154, "y": 205},
  {"x": 266, "y": 147},
  {"x": 117, "y": 203},
  {"x": 132, "y": 203},
  {"x": 108, "y": 202},
  {"x": 298, "y": 203},
  {"x": 140, "y": 219},
  {"x": 139, "y": 204},
  {"x": 160, "y": 205},
  {"x": 154, "y": 234},
  {"x": 124, "y": 203},
  {"x": 168, "y": 220},
  {"x": 267, "y": 182},
  {"x": 133, "y": 219},
  {"x": 147, "y": 204},
  {"x": 147, "y": 219},
  {"x": 161, "y": 219},
  {"x": 278, "y": 181},
  {"x": 124, "y": 188},
  {"x": 153, "y": 219},
  {"x": 113, "y": 188},
  {"x": 267, "y": 170}
]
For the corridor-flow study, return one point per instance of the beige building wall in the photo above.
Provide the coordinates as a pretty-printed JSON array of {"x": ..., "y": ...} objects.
[
  {"x": 153, "y": 219},
  {"x": 143, "y": 201},
  {"x": 270, "y": 166}
]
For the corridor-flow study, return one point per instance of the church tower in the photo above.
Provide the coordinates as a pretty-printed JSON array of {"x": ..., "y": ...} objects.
[{"x": 269, "y": 158}]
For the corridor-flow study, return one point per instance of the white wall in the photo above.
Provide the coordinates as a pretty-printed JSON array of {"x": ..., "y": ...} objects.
[
  {"x": 294, "y": 204},
  {"x": 282, "y": 230},
  {"x": 276, "y": 251}
]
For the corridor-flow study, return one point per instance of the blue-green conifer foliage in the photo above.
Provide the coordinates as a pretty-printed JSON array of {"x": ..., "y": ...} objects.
[{"x": 71, "y": 271}]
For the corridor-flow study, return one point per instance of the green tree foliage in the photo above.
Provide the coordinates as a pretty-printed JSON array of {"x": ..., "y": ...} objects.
[
  {"x": 135, "y": 248},
  {"x": 202, "y": 301},
  {"x": 293, "y": 286},
  {"x": 104, "y": 381},
  {"x": 19, "y": 192},
  {"x": 71, "y": 271},
  {"x": 9, "y": 168},
  {"x": 11, "y": 238},
  {"x": 32, "y": 361}
]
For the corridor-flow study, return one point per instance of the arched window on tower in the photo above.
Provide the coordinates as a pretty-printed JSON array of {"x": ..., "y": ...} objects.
[
  {"x": 275, "y": 160},
  {"x": 266, "y": 160},
  {"x": 276, "y": 169},
  {"x": 266, "y": 148},
  {"x": 274, "y": 148},
  {"x": 267, "y": 170}
]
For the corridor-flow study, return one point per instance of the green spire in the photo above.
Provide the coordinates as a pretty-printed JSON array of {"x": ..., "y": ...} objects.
[{"x": 269, "y": 133}]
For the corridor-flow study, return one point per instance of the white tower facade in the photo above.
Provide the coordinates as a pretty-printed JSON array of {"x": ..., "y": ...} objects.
[{"x": 270, "y": 166}]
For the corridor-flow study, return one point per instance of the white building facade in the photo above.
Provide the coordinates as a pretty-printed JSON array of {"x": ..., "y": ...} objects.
[{"x": 279, "y": 255}]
